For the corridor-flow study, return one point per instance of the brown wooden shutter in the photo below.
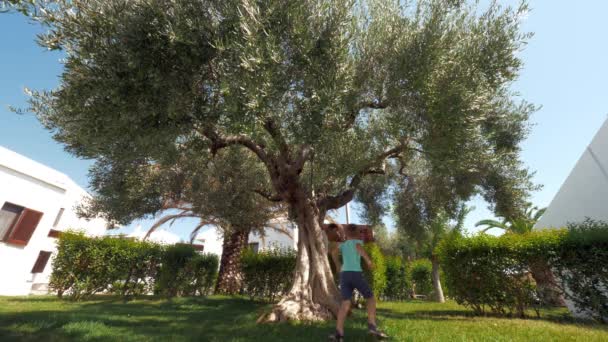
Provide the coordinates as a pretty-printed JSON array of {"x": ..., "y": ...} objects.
[
  {"x": 43, "y": 259},
  {"x": 53, "y": 233},
  {"x": 25, "y": 227}
]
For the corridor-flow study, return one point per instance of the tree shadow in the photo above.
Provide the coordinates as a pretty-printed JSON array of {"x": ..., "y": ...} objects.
[{"x": 182, "y": 319}]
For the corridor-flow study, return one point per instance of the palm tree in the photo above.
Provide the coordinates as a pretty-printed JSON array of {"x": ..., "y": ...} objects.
[{"x": 519, "y": 225}]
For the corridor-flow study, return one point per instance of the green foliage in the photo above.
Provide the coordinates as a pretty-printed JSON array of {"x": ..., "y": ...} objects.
[
  {"x": 518, "y": 225},
  {"x": 416, "y": 88},
  {"x": 487, "y": 272},
  {"x": 420, "y": 272},
  {"x": 184, "y": 272},
  {"x": 398, "y": 285},
  {"x": 85, "y": 266},
  {"x": 492, "y": 272},
  {"x": 580, "y": 265},
  {"x": 376, "y": 277},
  {"x": 219, "y": 318},
  {"x": 268, "y": 273}
]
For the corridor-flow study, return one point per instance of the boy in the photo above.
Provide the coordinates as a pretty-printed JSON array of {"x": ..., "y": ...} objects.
[{"x": 351, "y": 278}]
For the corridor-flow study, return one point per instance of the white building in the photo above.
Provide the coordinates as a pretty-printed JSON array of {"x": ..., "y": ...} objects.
[
  {"x": 585, "y": 191},
  {"x": 36, "y": 202},
  {"x": 160, "y": 235},
  {"x": 584, "y": 194},
  {"x": 281, "y": 233}
]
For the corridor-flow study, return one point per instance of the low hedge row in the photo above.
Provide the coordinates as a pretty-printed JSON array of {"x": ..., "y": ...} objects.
[
  {"x": 86, "y": 266},
  {"x": 268, "y": 273},
  {"x": 490, "y": 273}
]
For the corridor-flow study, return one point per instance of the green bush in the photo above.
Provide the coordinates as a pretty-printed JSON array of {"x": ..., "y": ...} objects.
[
  {"x": 85, "y": 266},
  {"x": 376, "y": 278},
  {"x": 268, "y": 273},
  {"x": 397, "y": 283},
  {"x": 185, "y": 272},
  {"x": 579, "y": 263},
  {"x": 486, "y": 272},
  {"x": 420, "y": 273}
]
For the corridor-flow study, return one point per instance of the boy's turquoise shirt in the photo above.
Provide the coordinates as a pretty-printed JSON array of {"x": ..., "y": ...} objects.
[{"x": 351, "y": 260}]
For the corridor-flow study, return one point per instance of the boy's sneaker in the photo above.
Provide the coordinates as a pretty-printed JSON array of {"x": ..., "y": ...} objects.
[
  {"x": 373, "y": 330},
  {"x": 336, "y": 337}
]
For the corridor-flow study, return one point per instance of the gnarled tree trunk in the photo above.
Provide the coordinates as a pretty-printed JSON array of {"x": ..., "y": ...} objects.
[
  {"x": 436, "y": 281},
  {"x": 229, "y": 279},
  {"x": 313, "y": 295},
  {"x": 546, "y": 286}
]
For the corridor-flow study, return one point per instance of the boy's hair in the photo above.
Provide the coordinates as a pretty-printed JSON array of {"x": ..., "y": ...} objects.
[{"x": 352, "y": 231}]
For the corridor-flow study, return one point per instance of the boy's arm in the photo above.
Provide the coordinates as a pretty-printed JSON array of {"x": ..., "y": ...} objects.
[
  {"x": 365, "y": 257},
  {"x": 335, "y": 255}
]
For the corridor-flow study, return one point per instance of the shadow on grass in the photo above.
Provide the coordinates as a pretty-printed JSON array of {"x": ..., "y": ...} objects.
[{"x": 182, "y": 319}]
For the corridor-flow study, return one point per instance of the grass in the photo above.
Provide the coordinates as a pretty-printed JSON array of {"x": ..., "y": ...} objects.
[{"x": 233, "y": 319}]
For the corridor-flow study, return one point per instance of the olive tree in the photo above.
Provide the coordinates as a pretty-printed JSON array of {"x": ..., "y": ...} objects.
[{"x": 323, "y": 93}]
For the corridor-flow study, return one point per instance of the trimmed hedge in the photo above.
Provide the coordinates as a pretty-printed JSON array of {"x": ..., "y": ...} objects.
[
  {"x": 86, "y": 266},
  {"x": 490, "y": 273},
  {"x": 376, "y": 278},
  {"x": 268, "y": 273},
  {"x": 185, "y": 272},
  {"x": 420, "y": 273},
  {"x": 398, "y": 285}
]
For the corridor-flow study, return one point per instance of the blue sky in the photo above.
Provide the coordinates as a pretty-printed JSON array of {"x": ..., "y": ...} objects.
[{"x": 566, "y": 71}]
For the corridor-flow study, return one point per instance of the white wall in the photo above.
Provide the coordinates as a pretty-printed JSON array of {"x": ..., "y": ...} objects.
[
  {"x": 32, "y": 185},
  {"x": 212, "y": 240},
  {"x": 585, "y": 191}
]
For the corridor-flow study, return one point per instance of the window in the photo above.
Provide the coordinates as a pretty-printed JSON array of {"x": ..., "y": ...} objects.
[
  {"x": 54, "y": 233},
  {"x": 59, "y": 214},
  {"x": 17, "y": 224},
  {"x": 8, "y": 217},
  {"x": 43, "y": 259},
  {"x": 254, "y": 246}
]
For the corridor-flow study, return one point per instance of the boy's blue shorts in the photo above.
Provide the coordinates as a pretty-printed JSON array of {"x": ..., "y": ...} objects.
[{"x": 349, "y": 281}]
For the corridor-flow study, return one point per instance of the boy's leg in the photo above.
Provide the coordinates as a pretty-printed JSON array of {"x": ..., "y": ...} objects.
[
  {"x": 370, "y": 303},
  {"x": 346, "y": 292},
  {"x": 371, "y": 310},
  {"x": 344, "y": 307}
]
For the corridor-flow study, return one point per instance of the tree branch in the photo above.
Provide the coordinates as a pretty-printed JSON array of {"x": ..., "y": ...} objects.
[
  {"x": 166, "y": 219},
  {"x": 218, "y": 142},
  {"x": 274, "y": 131},
  {"x": 269, "y": 196},
  {"x": 354, "y": 113},
  {"x": 304, "y": 154},
  {"x": 345, "y": 196}
]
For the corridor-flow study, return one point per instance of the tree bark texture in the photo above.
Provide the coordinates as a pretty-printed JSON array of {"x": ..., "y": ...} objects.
[
  {"x": 313, "y": 295},
  {"x": 230, "y": 279},
  {"x": 436, "y": 281},
  {"x": 546, "y": 286}
]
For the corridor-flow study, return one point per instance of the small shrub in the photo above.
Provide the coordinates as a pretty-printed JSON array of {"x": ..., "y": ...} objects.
[
  {"x": 268, "y": 273},
  {"x": 397, "y": 283},
  {"x": 376, "y": 278},
  {"x": 579, "y": 262},
  {"x": 420, "y": 271}
]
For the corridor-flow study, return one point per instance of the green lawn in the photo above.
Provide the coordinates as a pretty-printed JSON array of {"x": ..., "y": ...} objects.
[{"x": 233, "y": 319}]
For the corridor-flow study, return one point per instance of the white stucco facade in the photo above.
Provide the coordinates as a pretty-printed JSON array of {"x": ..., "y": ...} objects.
[
  {"x": 273, "y": 237},
  {"x": 28, "y": 184},
  {"x": 585, "y": 191}
]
